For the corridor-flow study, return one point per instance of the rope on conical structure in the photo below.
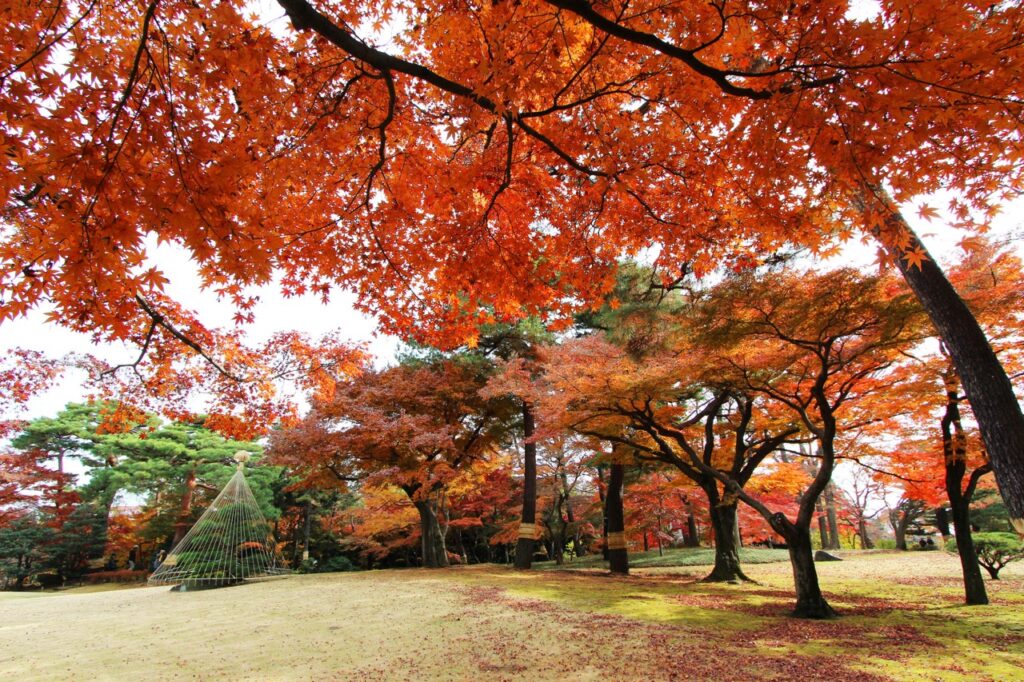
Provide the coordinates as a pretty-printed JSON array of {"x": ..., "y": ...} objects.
[{"x": 230, "y": 543}]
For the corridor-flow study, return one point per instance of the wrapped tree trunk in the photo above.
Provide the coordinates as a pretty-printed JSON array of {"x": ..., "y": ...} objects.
[
  {"x": 618, "y": 555},
  {"x": 525, "y": 544}
]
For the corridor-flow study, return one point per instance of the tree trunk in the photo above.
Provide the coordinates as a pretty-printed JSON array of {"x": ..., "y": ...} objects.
[
  {"x": 974, "y": 584},
  {"x": 462, "y": 547},
  {"x": 954, "y": 451},
  {"x": 602, "y": 494},
  {"x": 822, "y": 524},
  {"x": 942, "y": 521},
  {"x": 727, "y": 557},
  {"x": 185, "y": 511},
  {"x": 831, "y": 516},
  {"x": 569, "y": 516},
  {"x": 985, "y": 382},
  {"x": 862, "y": 531},
  {"x": 618, "y": 555},
  {"x": 692, "y": 539},
  {"x": 810, "y": 602},
  {"x": 558, "y": 527},
  {"x": 306, "y": 529},
  {"x": 432, "y": 540},
  {"x": 900, "y": 530},
  {"x": 524, "y": 547}
]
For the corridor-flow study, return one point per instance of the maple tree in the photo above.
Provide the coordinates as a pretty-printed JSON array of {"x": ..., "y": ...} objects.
[
  {"x": 658, "y": 409},
  {"x": 504, "y": 154},
  {"x": 815, "y": 344},
  {"x": 27, "y": 484},
  {"x": 659, "y": 505},
  {"x": 481, "y": 509},
  {"x": 561, "y": 472},
  {"x": 412, "y": 426},
  {"x": 23, "y": 373},
  {"x": 862, "y": 492}
]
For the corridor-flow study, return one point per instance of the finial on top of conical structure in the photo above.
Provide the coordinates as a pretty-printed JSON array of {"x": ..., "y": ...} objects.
[{"x": 242, "y": 457}]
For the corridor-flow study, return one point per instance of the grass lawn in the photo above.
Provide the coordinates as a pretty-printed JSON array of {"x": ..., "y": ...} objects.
[{"x": 902, "y": 620}]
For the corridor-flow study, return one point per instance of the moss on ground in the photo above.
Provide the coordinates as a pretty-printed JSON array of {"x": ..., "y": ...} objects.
[
  {"x": 903, "y": 616},
  {"x": 685, "y": 556}
]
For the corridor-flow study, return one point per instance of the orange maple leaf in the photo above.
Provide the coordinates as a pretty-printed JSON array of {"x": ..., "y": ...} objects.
[{"x": 915, "y": 257}]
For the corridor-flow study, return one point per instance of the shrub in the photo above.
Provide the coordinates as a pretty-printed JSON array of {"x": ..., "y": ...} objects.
[
  {"x": 336, "y": 564},
  {"x": 123, "y": 575},
  {"x": 48, "y": 581},
  {"x": 995, "y": 550}
]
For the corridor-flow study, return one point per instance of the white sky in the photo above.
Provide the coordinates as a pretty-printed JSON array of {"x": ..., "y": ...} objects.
[{"x": 274, "y": 313}]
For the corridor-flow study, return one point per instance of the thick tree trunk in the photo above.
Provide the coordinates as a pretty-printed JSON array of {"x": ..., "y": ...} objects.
[
  {"x": 810, "y": 602},
  {"x": 974, "y": 584},
  {"x": 985, "y": 382},
  {"x": 618, "y": 555},
  {"x": 727, "y": 556},
  {"x": 900, "y": 530},
  {"x": 524, "y": 547},
  {"x": 435, "y": 555}
]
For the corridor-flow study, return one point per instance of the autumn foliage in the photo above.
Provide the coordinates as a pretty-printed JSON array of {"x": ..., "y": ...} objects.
[{"x": 459, "y": 167}]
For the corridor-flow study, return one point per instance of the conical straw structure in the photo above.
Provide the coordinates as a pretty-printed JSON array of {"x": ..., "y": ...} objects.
[{"x": 230, "y": 542}]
